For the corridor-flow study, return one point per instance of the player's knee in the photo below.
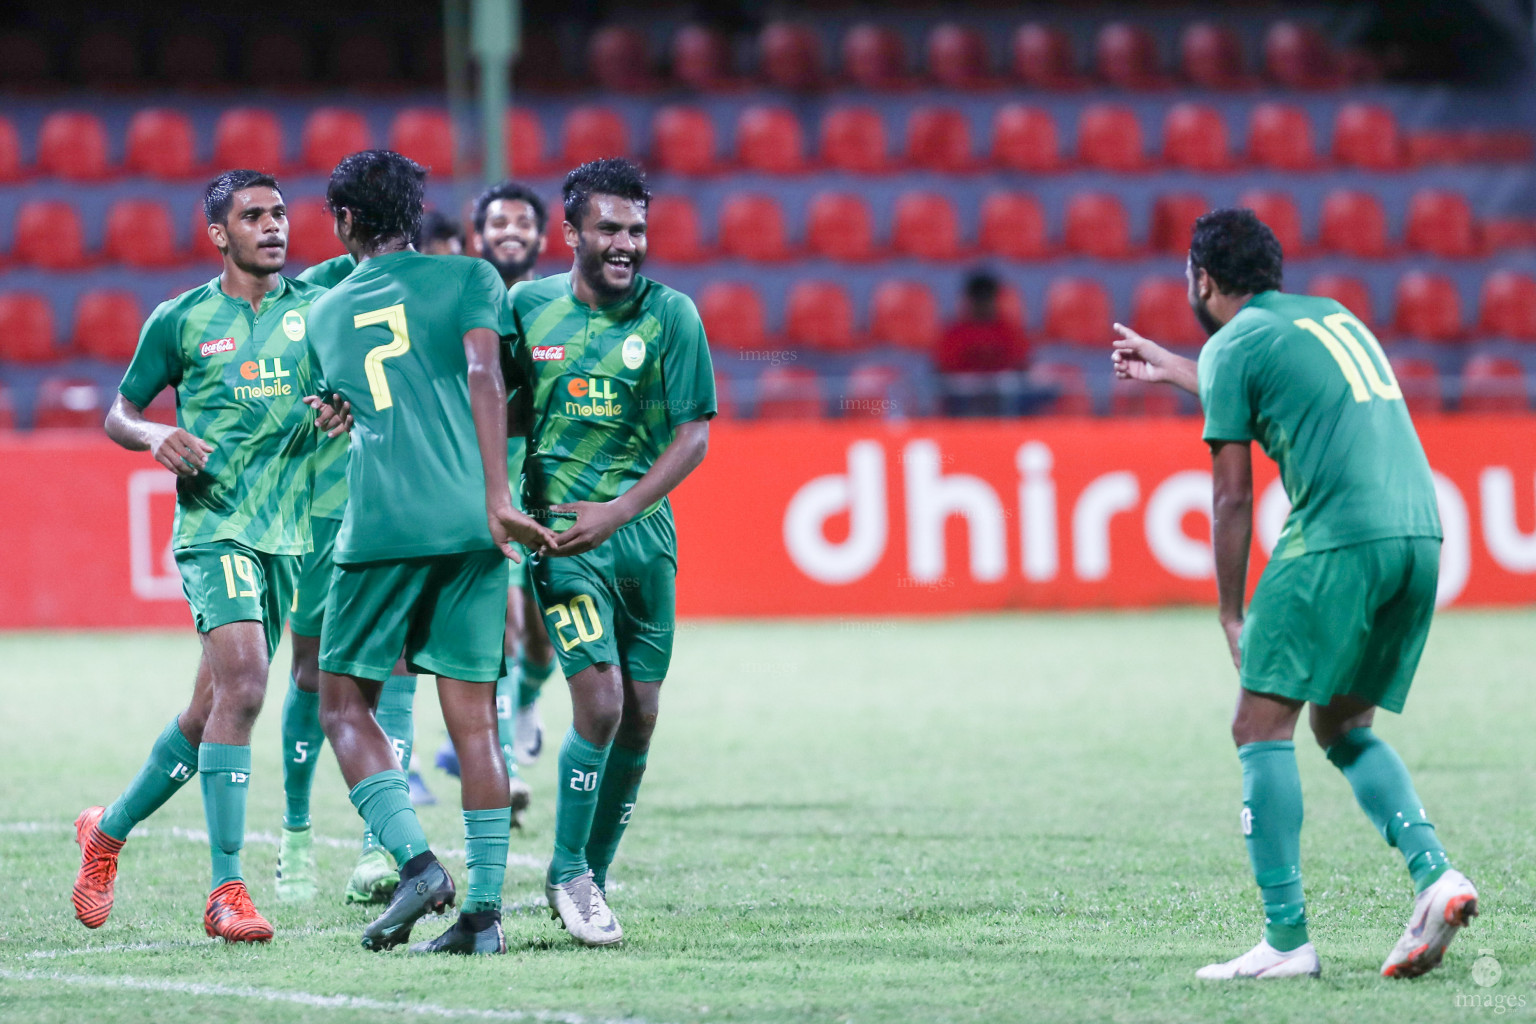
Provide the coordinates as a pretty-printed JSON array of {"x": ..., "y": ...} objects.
[
  {"x": 242, "y": 697},
  {"x": 635, "y": 730}
]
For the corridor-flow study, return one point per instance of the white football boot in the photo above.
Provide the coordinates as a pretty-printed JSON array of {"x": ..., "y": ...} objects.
[
  {"x": 579, "y": 906},
  {"x": 1439, "y": 912},
  {"x": 528, "y": 734},
  {"x": 1265, "y": 961}
]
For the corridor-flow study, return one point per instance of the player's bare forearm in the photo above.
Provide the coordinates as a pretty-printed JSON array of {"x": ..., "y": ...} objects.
[
  {"x": 1231, "y": 529},
  {"x": 488, "y": 403},
  {"x": 1138, "y": 358},
  {"x": 174, "y": 448}
]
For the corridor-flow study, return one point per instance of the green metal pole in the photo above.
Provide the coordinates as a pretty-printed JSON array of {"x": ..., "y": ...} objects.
[{"x": 493, "y": 30}]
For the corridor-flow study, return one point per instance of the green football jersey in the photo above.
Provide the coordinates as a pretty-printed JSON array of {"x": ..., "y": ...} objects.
[
  {"x": 1308, "y": 381},
  {"x": 390, "y": 340},
  {"x": 330, "y": 495},
  {"x": 606, "y": 389},
  {"x": 240, "y": 377}
]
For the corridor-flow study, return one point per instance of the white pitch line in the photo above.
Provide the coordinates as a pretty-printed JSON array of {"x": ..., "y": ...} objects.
[
  {"x": 153, "y": 947},
  {"x": 197, "y": 988}
]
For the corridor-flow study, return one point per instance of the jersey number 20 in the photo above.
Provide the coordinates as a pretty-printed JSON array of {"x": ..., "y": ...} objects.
[
  {"x": 373, "y": 362},
  {"x": 1360, "y": 369}
]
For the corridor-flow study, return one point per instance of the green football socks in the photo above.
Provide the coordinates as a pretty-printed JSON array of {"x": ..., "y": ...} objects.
[
  {"x": 225, "y": 774},
  {"x": 578, "y": 776},
  {"x": 384, "y": 801},
  {"x": 485, "y": 855},
  {"x": 1386, "y": 795},
  {"x": 1272, "y": 826},
  {"x": 302, "y": 740},
  {"x": 172, "y": 763},
  {"x": 507, "y": 690},
  {"x": 395, "y": 715},
  {"x": 616, "y": 796},
  {"x": 531, "y": 677}
]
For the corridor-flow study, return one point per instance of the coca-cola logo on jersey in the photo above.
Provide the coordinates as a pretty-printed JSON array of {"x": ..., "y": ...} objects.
[
  {"x": 548, "y": 353},
  {"x": 209, "y": 348}
]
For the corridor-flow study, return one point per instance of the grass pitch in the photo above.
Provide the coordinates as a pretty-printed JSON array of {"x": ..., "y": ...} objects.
[{"x": 980, "y": 819}]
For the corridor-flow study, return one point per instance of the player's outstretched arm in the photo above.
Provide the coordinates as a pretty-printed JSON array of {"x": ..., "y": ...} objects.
[
  {"x": 1138, "y": 358},
  {"x": 178, "y": 451},
  {"x": 1231, "y": 533},
  {"x": 596, "y": 521}
]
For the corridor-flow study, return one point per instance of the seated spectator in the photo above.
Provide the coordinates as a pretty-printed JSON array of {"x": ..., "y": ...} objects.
[
  {"x": 983, "y": 356},
  {"x": 440, "y": 235}
]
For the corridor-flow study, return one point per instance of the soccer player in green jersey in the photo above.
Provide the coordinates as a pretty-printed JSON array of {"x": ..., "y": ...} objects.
[
  {"x": 1342, "y": 611},
  {"x": 413, "y": 343},
  {"x": 374, "y": 877},
  {"x": 237, "y": 352},
  {"x": 614, "y": 376}
]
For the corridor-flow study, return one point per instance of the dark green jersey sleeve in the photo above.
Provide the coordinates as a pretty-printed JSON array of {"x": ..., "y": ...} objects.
[
  {"x": 330, "y": 273},
  {"x": 1226, "y": 389},
  {"x": 687, "y": 375},
  {"x": 156, "y": 361},
  {"x": 483, "y": 301}
]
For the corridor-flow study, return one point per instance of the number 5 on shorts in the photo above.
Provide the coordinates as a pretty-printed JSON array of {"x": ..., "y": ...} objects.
[{"x": 580, "y": 613}]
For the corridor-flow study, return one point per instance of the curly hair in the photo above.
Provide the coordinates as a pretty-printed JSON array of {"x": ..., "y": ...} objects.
[
  {"x": 514, "y": 191},
  {"x": 1238, "y": 250},
  {"x": 219, "y": 196},
  {"x": 611, "y": 176},
  {"x": 385, "y": 192}
]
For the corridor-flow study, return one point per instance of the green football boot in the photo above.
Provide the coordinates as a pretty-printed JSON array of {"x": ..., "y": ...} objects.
[
  {"x": 374, "y": 879},
  {"x": 296, "y": 866}
]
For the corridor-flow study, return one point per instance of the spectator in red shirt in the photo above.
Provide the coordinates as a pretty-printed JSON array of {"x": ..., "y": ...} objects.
[{"x": 981, "y": 341}]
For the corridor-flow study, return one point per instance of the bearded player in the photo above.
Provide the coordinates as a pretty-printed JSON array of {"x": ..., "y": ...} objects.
[
  {"x": 615, "y": 382},
  {"x": 237, "y": 352},
  {"x": 1342, "y": 611}
]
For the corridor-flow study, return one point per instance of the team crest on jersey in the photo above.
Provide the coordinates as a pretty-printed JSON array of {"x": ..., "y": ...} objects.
[
  {"x": 634, "y": 351},
  {"x": 293, "y": 325},
  {"x": 209, "y": 348},
  {"x": 548, "y": 353}
]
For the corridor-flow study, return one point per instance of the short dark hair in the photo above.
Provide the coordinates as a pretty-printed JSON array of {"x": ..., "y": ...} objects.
[
  {"x": 514, "y": 191},
  {"x": 384, "y": 190},
  {"x": 611, "y": 176},
  {"x": 1239, "y": 252},
  {"x": 437, "y": 226},
  {"x": 219, "y": 196},
  {"x": 981, "y": 286}
]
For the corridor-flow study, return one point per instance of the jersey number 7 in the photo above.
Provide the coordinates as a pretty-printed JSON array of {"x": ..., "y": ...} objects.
[
  {"x": 373, "y": 362},
  {"x": 1360, "y": 369}
]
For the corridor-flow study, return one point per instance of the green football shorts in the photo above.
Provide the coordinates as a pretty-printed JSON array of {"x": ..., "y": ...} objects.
[
  {"x": 314, "y": 579},
  {"x": 225, "y": 582},
  {"x": 1349, "y": 621},
  {"x": 447, "y": 612},
  {"x": 615, "y": 604}
]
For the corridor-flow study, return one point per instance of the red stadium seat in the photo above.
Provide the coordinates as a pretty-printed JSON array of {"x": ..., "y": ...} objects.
[
  {"x": 701, "y": 58},
  {"x": 1278, "y": 211},
  {"x": 107, "y": 325},
  {"x": 905, "y": 314},
  {"x": 1428, "y": 307},
  {"x": 1350, "y": 292},
  {"x": 926, "y": 227},
  {"x": 788, "y": 392},
  {"x": 683, "y": 140},
  {"x": 733, "y": 317},
  {"x": 1365, "y": 135},
  {"x": 1160, "y": 310},
  {"x": 1010, "y": 306},
  {"x": 160, "y": 144},
  {"x": 619, "y": 60},
  {"x": 672, "y": 226},
  {"x": 1024, "y": 139},
  {"x": 7, "y": 409},
  {"x": 1490, "y": 384},
  {"x": 69, "y": 403},
  {"x": 1133, "y": 398},
  {"x": 1109, "y": 138},
  {"x": 939, "y": 139},
  {"x": 819, "y": 314},
  {"x": 312, "y": 232},
  {"x": 1503, "y": 233},
  {"x": 331, "y": 133},
  {"x": 1300, "y": 57},
  {"x": 791, "y": 55},
  {"x": 1280, "y": 138},
  {"x": 139, "y": 234},
  {"x": 1507, "y": 308},
  {"x": 1071, "y": 384},
  {"x": 1419, "y": 380},
  {"x": 1173, "y": 221},
  {"x": 1126, "y": 56},
  {"x": 875, "y": 57},
  {"x": 770, "y": 139},
  {"x": 1353, "y": 223},
  {"x": 853, "y": 139},
  {"x": 752, "y": 228},
  {"x": 839, "y": 226},
  {"x": 72, "y": 144},
  {"x": 1195, "y": 138},
  {"x": 556, "y": 252},
  {"x": 1211, "y": 57},
  {"x": 591, "y": 133},
  {"x": 26, "y": 328},
  {"x": 958, "y": 58},
  {"x": 425, "y": 134},
  {"x": 1097, "y": 226},
  {"x": 48, "y": 235},
  {"x": 199, "y": 246},
  {"x": 248, "y": 137},
  {"x": 873, "y": 391},
  {"x": 525, "y": 142},
  {"x": 1043, "y": 57},
  {"x": 1441, "y": 223},
  {"x": 1013, "y": 227},
  {"x": 1078, "y": 310},
  {"x": 10, "y": 151}
]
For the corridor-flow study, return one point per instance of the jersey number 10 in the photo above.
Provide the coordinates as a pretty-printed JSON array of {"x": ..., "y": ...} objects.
[
  {"x": 1360, "y": 369},
  {"x": 373, "y": 362}
]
